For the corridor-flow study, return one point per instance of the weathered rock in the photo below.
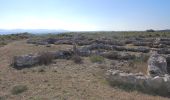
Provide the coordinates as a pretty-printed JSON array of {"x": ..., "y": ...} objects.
[
  {"x": 158, "y": 46},
  {"x": 84, "y": 42},
  {"x": 157, "y": 65},
  {"x": 110, "y": 42},
  {"x": 168, "y": 63},
  {"x": 118, "y": 55},
  {"x": 38, "y": 42},
  {"x": 165, "y": 42},
  {"x": 138, "y": 81},
  {"x": 69, "y": 42},
  {"x": 139, "y": 49},
  {"x": 63, "y": 54},
  {"x": 141, "y": 43},
  {"x": 84, "y": 52},
  {"x": 165, "y": 39},
  {"x": 98, "y": 46},
  {"x": 164, "y": 51},
  {"x": 157, "y": 41},
  {"x": 50, "y": 40},
  {"x": 25, "y": 61}
]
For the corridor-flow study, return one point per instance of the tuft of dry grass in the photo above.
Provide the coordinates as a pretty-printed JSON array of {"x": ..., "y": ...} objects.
[
  {"x": 139, "y": 64},
  {"x": 77, "y": 59},
  {"x": 19, "y": 89},
  {"x": 45, "y": 58}
]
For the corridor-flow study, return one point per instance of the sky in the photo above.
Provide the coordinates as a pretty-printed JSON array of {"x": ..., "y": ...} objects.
[{"x": 85, "y": 15}]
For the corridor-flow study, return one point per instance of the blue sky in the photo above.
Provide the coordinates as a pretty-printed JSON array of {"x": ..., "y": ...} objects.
[{"x": 85, "y": 15}]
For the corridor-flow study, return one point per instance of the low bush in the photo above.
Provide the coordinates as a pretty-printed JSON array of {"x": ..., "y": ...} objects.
[
  {"x": 77, "y": 59},
  {"x": 3, "y": 43},
  {"x": 19, "y": 89},
  {"x": 45, "y": 58},
  {"x": 96, "y": 58}
]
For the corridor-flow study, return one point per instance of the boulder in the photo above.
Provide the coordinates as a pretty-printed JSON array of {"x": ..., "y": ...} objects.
[
  {"x": 25, "y": 61},
  {"x": 157, "y": 65}
]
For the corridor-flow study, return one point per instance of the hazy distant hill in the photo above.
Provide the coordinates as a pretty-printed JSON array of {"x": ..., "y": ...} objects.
[
  {"x": 167, "y": 30},
  {"x": 34, "y": 31}
]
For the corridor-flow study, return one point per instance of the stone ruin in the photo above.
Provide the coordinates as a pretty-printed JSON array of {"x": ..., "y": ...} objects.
[
  {"x": 156, "y": 81},
  {"x": 158, "y": 84},
  {"x": 30, "y": 60}
]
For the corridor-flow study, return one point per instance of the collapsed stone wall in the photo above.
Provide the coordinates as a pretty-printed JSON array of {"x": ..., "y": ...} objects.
[
  {"x": 138, "y": 81},
  {"x": 34, "y": 59},
  {"x": 156, "y": 81}
]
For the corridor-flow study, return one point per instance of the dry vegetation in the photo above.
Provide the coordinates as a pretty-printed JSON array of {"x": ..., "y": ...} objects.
[{"x": 60, "y": 79}]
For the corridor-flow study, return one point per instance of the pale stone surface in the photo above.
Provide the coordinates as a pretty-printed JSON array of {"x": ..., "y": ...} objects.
[
  {"x": 157, "y": 65},
  {"x": 25, "y": 60}
]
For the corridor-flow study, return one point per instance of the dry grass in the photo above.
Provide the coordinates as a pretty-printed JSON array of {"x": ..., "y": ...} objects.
[
  {"x": 137, "y": 66},
  {"x": 45, "y": 58}
]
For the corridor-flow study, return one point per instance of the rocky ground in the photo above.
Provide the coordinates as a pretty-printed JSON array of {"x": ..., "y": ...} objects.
[{"x": 64, "y": 79}]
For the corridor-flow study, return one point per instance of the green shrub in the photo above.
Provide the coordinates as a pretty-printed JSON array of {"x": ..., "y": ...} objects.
[
  {"x": 19, "y": 89},
  {"x": 96, "y": 58},
  {"x": 3, "y": 43}
]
